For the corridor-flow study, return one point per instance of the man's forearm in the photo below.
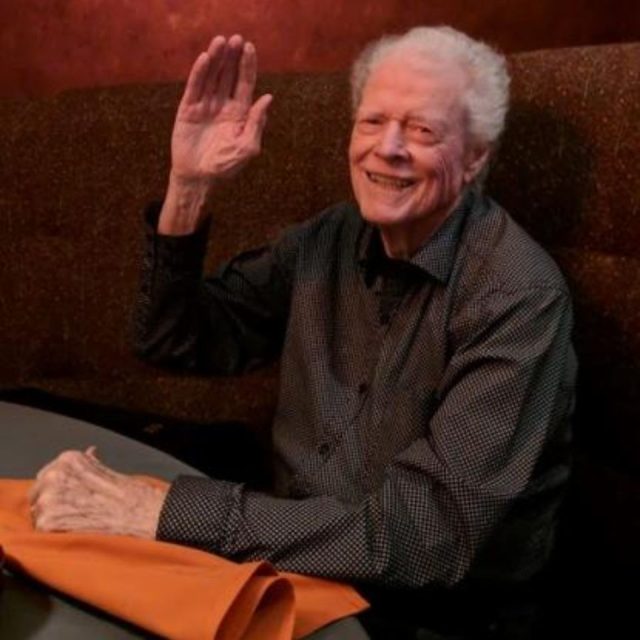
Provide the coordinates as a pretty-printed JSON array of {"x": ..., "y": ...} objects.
[
  {"x": 164, "y": 330},
  {"x": 220, "y": 324},
  {"x": 185, "y": 206},
  {"x": 376, "y": 540}
]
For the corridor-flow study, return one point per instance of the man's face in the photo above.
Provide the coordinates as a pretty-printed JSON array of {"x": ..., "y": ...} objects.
[{"x": 409, "y": 156}]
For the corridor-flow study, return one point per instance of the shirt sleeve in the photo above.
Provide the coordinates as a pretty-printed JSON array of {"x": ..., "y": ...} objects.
[
  {"x": 505, "y": 396},
  {"x": 228, "y": 323}
]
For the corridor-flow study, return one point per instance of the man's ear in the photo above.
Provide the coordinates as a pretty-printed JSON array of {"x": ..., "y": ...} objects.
[{"x": 475, "y": 160}]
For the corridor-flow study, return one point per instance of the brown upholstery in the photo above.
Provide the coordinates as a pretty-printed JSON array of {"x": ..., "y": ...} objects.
[
  {"x": 76, "y": 171},
  {"x": 568, "y": 170}
]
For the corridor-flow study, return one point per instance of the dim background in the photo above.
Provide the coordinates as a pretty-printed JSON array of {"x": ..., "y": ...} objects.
[{"x": 50, "y": 45}]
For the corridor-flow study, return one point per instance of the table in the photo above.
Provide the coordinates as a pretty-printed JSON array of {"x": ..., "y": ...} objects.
[{"x": 29, "y": 438}]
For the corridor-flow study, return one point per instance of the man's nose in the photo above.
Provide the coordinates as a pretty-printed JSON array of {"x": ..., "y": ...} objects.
[{"x": 391, "y": 144}]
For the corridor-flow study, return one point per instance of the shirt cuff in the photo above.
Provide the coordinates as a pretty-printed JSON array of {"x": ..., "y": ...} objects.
[
  {"x": 177, "y": 253},
  {"x": 202, "y": 513}
]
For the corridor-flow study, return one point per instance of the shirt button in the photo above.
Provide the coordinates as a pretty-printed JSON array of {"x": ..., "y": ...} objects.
[
  {"x": 363, "y": 387},
  {"x": 324, "y": 449}
]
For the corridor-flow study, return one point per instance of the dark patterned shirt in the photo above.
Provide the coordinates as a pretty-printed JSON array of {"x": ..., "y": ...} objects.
[{"x": 422, "y": 424}]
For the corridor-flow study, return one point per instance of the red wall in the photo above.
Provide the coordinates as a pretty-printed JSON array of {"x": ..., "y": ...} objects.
[{"x": 48, "y": 45}]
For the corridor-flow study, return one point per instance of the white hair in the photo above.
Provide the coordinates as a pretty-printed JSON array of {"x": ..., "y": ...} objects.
[{"x": 486, "y": 98}]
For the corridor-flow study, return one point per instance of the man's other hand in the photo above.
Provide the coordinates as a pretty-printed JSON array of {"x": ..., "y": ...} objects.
[{"x": 76, "y": 492}]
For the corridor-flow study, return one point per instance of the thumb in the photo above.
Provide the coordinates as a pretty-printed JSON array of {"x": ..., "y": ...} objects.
[
  {"x": 257, "y": 118},
  {"x": 91, "y": 452}
]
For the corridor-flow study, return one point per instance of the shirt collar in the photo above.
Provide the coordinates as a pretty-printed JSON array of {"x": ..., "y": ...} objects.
[{"x": 435, "y": 257}]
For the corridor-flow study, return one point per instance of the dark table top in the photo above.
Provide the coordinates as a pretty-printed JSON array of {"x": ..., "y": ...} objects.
[{"x": 30, "y": 438}]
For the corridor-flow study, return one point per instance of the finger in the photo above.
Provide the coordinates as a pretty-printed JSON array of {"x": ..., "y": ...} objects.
[
  {"x": 92, "y": 465},
  {"x": 100, "y": 478},
  {"x": 61, "y": 460},
  {"x": 256, "y": 120},
  {"x": 91, "y": 452},
  {"x": 34, "y": 492},
  {"x": 61, "y": 518},
  {"x": 217, "y": 52},
  {"x": 194, "y": 90},
  {"x": 52, "y": 475},
  {"x": 34, "y": 512},
  {"x": 229, "y": 71},
  {"x": 56, "y": 473},
  {"x": 45, "y": 469},
  {"x": 217, "y": 46},
  {"x": 91, "y": 455},
  {"x": 247, "y": 74},
  {"x": 36, "y": 488}
]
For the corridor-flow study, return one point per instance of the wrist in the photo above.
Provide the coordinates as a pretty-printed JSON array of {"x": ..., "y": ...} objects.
[
  {"x": 147, "y": 511},
  {"x": 185, "y": 206}
]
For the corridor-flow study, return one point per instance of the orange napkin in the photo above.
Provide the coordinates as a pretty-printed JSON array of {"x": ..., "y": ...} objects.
[{"x": 170, "y": 590}]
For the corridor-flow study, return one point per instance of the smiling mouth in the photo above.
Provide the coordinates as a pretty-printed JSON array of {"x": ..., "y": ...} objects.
[{"x": 390, "y": 182}]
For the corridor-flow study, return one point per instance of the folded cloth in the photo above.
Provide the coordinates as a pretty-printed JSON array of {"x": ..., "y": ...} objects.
[{"x": 173, "y": 591}]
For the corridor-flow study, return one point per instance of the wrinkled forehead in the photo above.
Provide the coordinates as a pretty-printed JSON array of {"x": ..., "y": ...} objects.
[{"x": 427, "y": 83}]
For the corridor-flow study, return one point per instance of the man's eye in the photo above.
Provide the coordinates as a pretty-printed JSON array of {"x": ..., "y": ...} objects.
[
  {"x": 421, "y": 133},
  {"x": 370, "y": 124}
]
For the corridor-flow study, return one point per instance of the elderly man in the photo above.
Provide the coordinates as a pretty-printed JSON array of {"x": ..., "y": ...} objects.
[{"x": 426, "y": 366}]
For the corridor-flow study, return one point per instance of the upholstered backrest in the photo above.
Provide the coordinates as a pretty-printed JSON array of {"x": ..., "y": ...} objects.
[
  {"x": 76, "y": 171},
  {"x": 568, "y": 171}
]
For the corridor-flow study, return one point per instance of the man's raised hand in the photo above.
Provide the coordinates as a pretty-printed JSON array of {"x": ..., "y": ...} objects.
[{"x": 217, "y": 130}]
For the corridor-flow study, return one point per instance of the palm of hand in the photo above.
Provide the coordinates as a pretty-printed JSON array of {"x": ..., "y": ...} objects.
[
  {"x": 217, "y": 129},
  {"x": 209, "y": 142}
]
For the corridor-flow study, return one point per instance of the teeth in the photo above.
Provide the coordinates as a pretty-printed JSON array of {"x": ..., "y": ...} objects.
[{"x": 386, "y": 181}]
